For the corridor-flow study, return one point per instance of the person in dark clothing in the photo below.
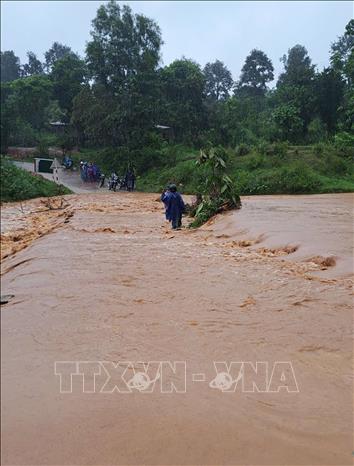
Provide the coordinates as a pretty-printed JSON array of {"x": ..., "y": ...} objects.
[
  {"x": 102, "y": 179},
  {"x": 130, "y": 180},
  {"x": 175, "y": 207},
  {"x": 164, "y": 197}
]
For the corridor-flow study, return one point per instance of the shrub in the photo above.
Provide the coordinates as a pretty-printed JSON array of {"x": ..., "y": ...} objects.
[
  {"x": 217, "y": 191},
  {"x": 242, "y": 149},
  {"x": 344, "y": 144},
  {"x": 335, "y": 165},
  {"x": 280, "y": 148},
  {"x": 318, "y": 149},
  {"x": 255, "y": 161},
  {"x": 297, "y": 179},
  {"x": 262, "y": 148},
  {"x": 316, "y": 131},
  {"x": 42, "y": 149},
  {"x": 18, "y": 184}
]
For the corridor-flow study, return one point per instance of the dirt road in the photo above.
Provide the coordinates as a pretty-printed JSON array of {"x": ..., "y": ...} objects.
[
  {"x": 68, "y": 178},
  {"x": 107, "y": 281}
]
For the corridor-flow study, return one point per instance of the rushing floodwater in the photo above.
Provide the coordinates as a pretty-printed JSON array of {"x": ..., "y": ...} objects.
[
  {"x": 106, "y": 280},
  {"x": 318, "y": 225}
]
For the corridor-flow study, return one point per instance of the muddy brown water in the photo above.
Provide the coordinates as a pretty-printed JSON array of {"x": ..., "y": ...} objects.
[{"x": 104, "y": 279}]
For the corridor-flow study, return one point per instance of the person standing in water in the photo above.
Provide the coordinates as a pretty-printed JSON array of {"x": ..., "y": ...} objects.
[
  {"x": 175, "y": 207},
  {"x": 164, "y": 196}
]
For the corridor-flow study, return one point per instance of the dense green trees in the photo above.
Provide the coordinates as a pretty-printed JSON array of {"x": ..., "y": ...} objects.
[
  {"x": 56, "y": 52},
  {"x": 218, "y": 80},
  {"x": 295, "y": 86},
  {"x": 123, "y": 45},
  {"x": 122, "y": 60},
  {"x": 118, "y": 93},
  {"x": 182, "y": 84},
  {"x": 10, "y": 66},
  {"x": 68, "y": 75},
  {"x": 33, "y": 66},
  {"x": 256, "y": 73}
]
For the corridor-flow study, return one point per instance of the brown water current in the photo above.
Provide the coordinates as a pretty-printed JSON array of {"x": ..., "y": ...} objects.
[{"x": 101, "y": 277}]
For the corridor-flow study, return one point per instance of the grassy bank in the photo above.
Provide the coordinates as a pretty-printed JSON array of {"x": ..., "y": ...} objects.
[
  {"x": 18, "y": 184},
  {"x": 262, "y": 169},
  {"x": 273, "y": 170}
]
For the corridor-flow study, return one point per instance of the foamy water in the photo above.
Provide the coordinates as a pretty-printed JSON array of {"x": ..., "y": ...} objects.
[{"x": 319, "y": 226}]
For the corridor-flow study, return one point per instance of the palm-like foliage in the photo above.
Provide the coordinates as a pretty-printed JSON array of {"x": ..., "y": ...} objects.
[{"x": 217, "y": 191}]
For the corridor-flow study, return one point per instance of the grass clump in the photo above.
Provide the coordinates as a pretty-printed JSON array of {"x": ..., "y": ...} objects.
[{"x": 18, "y": 184}]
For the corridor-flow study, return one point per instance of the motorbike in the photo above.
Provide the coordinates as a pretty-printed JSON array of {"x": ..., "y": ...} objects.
[
  {"x": 113, "y": 182},
  {"x": 102, "y": 180},
  {"x": 68, "y": 163}
]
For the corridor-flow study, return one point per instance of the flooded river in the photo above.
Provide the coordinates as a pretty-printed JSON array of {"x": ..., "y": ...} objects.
[{"x": 102, "y": 279}]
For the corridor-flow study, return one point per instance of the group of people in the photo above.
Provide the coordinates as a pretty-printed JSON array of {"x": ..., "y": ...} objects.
[
  {"x": 174, "y": 206},
  {"x": 89, "y": 171}
]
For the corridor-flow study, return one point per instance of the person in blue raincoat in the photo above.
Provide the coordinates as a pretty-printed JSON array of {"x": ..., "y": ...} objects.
[
  {"x": 164, "y": 196},
  {"x": 175, "y": 207}
]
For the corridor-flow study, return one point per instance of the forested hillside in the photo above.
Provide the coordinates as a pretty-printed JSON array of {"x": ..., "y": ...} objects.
[{"x": 121, "y": 105}]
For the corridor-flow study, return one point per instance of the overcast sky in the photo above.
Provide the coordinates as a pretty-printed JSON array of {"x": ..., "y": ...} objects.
[{"x": 204, "y": 30}]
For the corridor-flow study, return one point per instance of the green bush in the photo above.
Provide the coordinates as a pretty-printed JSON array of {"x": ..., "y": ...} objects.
[
  {"x": 335, "y": 165},
  {"x": 297, "y": 179},
  {"x": 316, "y": 131},
  {"x": 318, "y": 149},
  {"x": 18, "y": 184},
  {"x": 262, "y": 148},
  {"x": 344, "y": 144},
  {"x": 280, "y": 148},
  {"x": 242, "y": 149},
  {"x": 255, "y": 161}
]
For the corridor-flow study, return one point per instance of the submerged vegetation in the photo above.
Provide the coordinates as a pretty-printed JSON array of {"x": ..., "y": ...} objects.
[{"x": 216, "y": 191}]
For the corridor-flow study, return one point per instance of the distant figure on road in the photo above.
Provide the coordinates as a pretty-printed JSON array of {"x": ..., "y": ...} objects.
[
  {"x": 130, "y": 180},
  {"x": 90, "y": 172},
  {"x": 67, "y": 162},
  {"x": 175, "y": 207},
  {"x": 83, "y": 170},
  {"x": 102, "y": 179}
]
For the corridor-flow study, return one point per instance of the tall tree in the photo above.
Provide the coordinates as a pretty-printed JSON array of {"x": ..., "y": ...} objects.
[
  {"x": 329, "y": 87},
  {"x": 295, "y": 86},
  {"x": 55, "y": 53},
  {"x": 122, "y": 60},
  {"x": 31, "y": 96},
  {"x": 33, "y": 65},
  {"x": 298, "y": 68},
  {"x": 342, "y": 53},
  {"x": 92, "y": 117},
  {"x": 68, "y": 74},
  {"x": 183, "y": 88},
  {"x": 218, "y": 80},
  {"x": 256, "y": 73},
  {"x": 342, "y": 61},
  {"x": 123, "y": 44},
  {"x": 10, "y": 66}
]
